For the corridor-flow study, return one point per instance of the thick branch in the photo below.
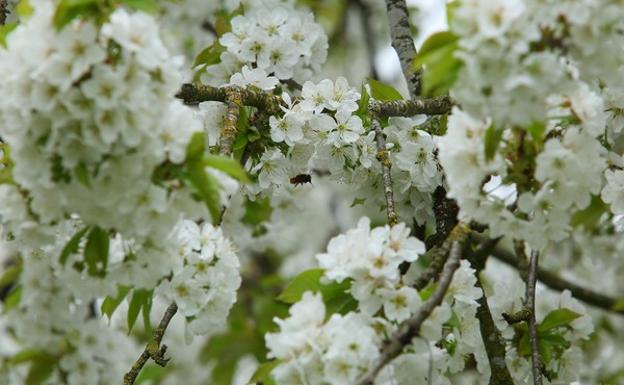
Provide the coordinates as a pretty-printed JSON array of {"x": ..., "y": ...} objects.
[
  {"x": 403, "y": 43},
  {"x": 384, "y": 159},
  {"x": 536, "y": 360},
  {"x": 193, "y": 94},
  {"x": 153, "y": 349},
  {"x": 492, "y": 339},
  {"x": 411, "y": 328},
  {"x": 434, "y": 106}
]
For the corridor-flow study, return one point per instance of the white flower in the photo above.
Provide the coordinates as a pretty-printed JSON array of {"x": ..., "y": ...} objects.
[
  {"x": 288, "y": 128},
  {"x": 256, "y": 77},
  {"x": 462, "y": 286},
  {"x": 400, "y": 304}
]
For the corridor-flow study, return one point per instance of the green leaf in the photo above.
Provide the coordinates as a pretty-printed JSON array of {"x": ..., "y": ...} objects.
[
  {"x": 39, "y": 372},
  {"x": 363, "y": 103},
  {"x": 258, "y": 211},
  {"x": 29, "y": 355},
  {"x": 196, "y": 147},
  {"x": 493, "y": 137},
  {"x": 335, "y": 295},
  {"x": 536, "y": 130},
  {"x": 13, "y": 299},
  {"x": 228, "y": 166},
  {"x": 441, "y": 67},
  {"x": 96, "y": 252},
  {"x": 264, "y": 372},
  {"x": 589, "y": 216},
  {"x": 71, "y": 247},
  {"x": 24, "y": 9},
  {"x": 381, "y": 91},
  {"x": 68, "y": 10},
  {"x": 435, "y": 42},
  {"x": 428, "y": 291},
  {"x": 207, "y": 188},
  {"x": 209, "y": 55},
  {"x": 110, "y": 304},
  {"x": 557, "y": 318},
  {"x": 146, "y": 310},
  {"x": 82, "y": 174},
  {"x": 140, "y": 299},
  {"x": 4, "y": 32},
  {"x": 150, "y": 6},
  {"x": 11, "y": 274},
  {"x": 357, "y": 202}
]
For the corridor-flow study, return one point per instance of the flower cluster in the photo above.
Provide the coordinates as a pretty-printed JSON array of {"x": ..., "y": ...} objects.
[
  {"x": 339, "y": 348},
  {"x": 315, "y": 351},
  {"x": 529, "y": 78},
  {"x": 91, "y": 114},
  {"x": 56, "y": 328},
  {"x": 270, "y": 38},
  {"x": 204, "y": 284},
  {"x": 371, "y": 258}
]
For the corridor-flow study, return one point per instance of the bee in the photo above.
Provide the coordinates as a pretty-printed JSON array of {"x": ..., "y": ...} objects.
[{"x": 301, "y": 179}]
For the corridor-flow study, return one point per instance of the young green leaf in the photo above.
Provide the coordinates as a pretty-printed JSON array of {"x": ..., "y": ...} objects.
[
  {"x": 10, "y": 275},
  {"x": 139, "y": 300},
  {"x": 493, "y": 137},
  {"x": 110, "y": 304},
  {"x": 441, "y": 67},
  {"x": 557, "y": 318},
  {"x": 96, "y": 252},
  {"x": 4, "y": 32},
  {"x": 264, "y": 372},
  {"x": 209, "y": 55},
  {"x": 381, "y": 91},
  {"x": 71, "y": 246},
  {"x": 310, "y": 280},
  {"x": 207, "y": 188},
  {"x": 228, "y": 166},
  {"x": 196, "y": 147},
  {"x": 68, "y": 10}
]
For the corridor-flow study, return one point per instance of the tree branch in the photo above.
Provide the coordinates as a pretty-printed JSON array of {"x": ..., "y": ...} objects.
[
  {"x": 193, "y": 94},
  {"x": 491, "y": 336},
  {"x": 3, "y": 11},
  {"x": 536, "y": 360},
  {"x": 555, "y": 282},
  {"x": 433, "y": 106},
  {"x": 153, "y": 349},
  {"x": 411, "y": 327},
  {"x": 403, "y": 43},
  {"x": 386, "y": 165}
]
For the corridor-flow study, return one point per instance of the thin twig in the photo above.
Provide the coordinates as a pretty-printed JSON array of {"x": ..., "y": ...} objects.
[
  {"x": 403, "y": 43},
  {"x": 153, "y": 349},
  {"x": 536, "y": 360},
  {"x": 384, "y": 158},
  {"x": 411, "y": 327},
  {"x": 555, "y": 282}
]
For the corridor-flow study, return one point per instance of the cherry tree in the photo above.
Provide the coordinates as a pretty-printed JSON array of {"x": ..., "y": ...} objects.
[{"x": 229, "y": 192}]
